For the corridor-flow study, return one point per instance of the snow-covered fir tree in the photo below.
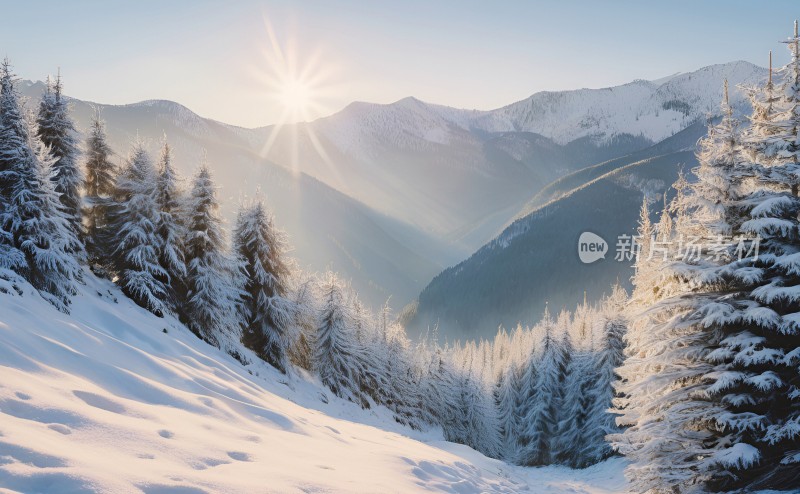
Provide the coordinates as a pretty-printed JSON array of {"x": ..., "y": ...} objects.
[
  {"x": 132, "y": 233},
  {"x": 542, "y": 391},
  {"x": 441, "y": 393},
  {"x": 37, "y": 239},
  {"x": 478, "y": 415},
  {"x": 403, "y": 393},
  {"x": 572, "y": 431},
  {"x": 57, "y": 131},
  {"x": 170, "y": 228},
  {"x": 760, "y": 347},
  {"x": 671, "y": 434},
  {"x": 99, "y": 187},
  {"x": 608, "y": 353},
  {"x": 300, "y": 342},
  {"x": 507, "y": 400},
  {"x": 692, "y": 410},
  {"x": 214, "y": 279},
  {"x": 268, "y": 312},
  {"x": 335, "y": 356}
]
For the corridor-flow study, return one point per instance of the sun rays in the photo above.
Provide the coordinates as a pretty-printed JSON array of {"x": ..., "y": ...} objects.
[{"x": 298, "y": 83}]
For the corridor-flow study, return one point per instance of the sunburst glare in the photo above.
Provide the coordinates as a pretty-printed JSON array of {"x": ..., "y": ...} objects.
[{"x": 299, "y": 84}]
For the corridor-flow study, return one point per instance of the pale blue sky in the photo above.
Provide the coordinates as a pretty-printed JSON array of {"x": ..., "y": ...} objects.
[{"x": 210, "y": 55}]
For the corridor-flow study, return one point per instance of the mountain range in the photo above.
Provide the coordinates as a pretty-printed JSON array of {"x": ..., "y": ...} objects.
[{"x": 392, "y": 194}]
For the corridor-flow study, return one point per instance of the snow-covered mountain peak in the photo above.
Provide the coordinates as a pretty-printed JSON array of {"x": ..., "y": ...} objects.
[
  {"x": 650, "y": 109},
  {"x": 407, "y": 123}
]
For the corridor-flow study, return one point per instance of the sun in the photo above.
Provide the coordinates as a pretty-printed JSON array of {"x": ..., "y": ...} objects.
[
  {"x": 296, "y": 96},
  {"x": 297, "y": 82}
]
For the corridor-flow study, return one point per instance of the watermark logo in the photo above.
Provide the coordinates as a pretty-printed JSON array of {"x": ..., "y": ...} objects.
[
  {"x": 591, "y": 247},
  {"x": 691, "y": 249}
]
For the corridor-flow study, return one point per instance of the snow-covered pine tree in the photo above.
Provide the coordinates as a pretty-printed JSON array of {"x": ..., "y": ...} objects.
[
  {"x": 672, "y": 434},
  {"x": 570, "y": 436},
  {"x": 507, "y": 398},
  {"x": 608, "y": 353},
  {"x": 300, "y": 342},
  {"x": 393, "y": 348},
  {"x": 37, "y": 239},
  {"x": 443, "y": 396},
  {"x": 268, "y": 313},
  {"x": 765, "y": 104},
  {"x": 336, "y": 355},
  {"x": 132, "y": 231},
  {"x": 477, "y": 416},
  {"x": 402, "y": 392},
  {"x": 11, "y": 258},
  {"x": 760, "y": 347},
  {"x": 541, "y": 399},
  {"x": 170, "y": 228},
  {"x": 99, "y": 190},
  {"x": 57, "y": 131},
  {"x": 213, "y": 280}
]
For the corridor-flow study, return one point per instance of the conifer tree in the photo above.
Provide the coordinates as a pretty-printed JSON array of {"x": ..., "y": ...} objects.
[
  {"x": 335, "y": 357},
  {"x": 57, "y": 131},
  {"x": 402, "y": 396},
  {"x": 268, "y": 313},
  {"x": 36, "y": 236},
  {"x": 760, "y": 347},
  {"x": 170, "y": 228},
  {"x": 132, "y": 231},
  {"x": 214, "y": 280},
  {"x": 570, "y": 437},
  {"x": 540, "y": 421},
  {"x": 677, "y": 434},
  {"x": 99, "y": 190},
  {"x": 507, "y": 398},
  {"x": 477, "y": 416},
  {"x": 608, "y": 350}
]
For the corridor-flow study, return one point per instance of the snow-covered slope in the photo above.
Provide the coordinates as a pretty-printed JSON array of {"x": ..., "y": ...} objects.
[{"x": 113, "y": 399}]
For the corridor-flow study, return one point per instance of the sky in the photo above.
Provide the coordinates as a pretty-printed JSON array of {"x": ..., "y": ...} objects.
[{"x": 254, "y": 63}]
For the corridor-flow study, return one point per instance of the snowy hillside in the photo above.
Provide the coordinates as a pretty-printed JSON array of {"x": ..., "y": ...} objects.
[{"x": 113, "y": 399}]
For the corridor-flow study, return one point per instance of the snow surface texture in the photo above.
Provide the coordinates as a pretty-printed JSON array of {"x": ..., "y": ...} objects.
[{"x": 103, "y": 400}]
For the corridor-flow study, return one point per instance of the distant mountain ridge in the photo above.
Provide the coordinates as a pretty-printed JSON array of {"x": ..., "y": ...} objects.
[
  {"x": 653, "y": 110},
  {"x": 390, "y": 194},
  {"x": 419, "y": 162}
]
